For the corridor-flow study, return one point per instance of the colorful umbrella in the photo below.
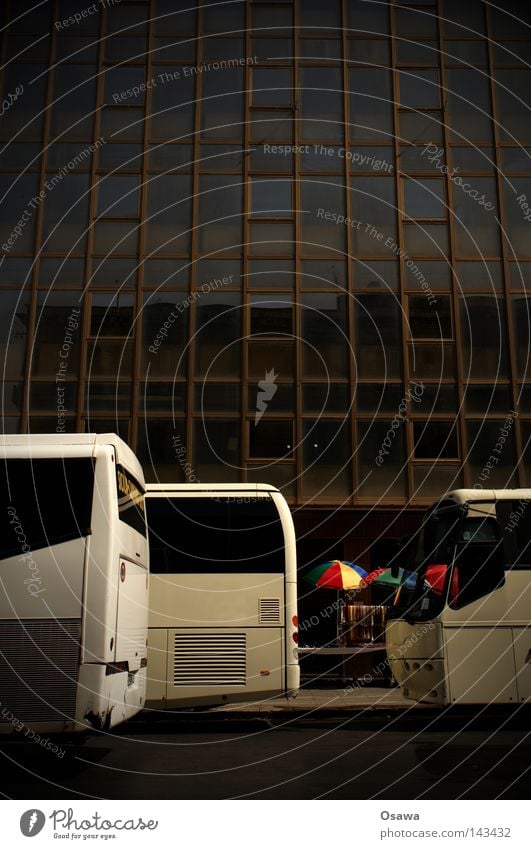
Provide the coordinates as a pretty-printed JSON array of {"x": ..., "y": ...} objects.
[
  {"x": 337, "y": 575},
  {"x": 383, "y": 577},
  {"x": 435, "y": 577}
]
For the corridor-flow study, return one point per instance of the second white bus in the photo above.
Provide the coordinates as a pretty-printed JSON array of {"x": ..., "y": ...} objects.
[{"x": 223, "y": 598}]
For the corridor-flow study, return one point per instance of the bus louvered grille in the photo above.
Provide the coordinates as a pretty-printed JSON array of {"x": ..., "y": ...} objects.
[
  {"x": 39, "y": 664},
  {"x": 269, "y": 613},
  {"x": 209, "y": 660}
]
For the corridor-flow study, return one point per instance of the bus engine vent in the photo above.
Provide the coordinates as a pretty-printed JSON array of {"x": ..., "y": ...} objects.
[
  {"x": 269, "y": 611},
  {"x": 39, "y": 665},
  {"x": 209, "y": 660}
]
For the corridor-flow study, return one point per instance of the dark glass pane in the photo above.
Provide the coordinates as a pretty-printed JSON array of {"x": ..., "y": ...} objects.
[
  {"x": 117, "y": 237},
  {"x": 416, "y": 22},
  {"x": 435, "y": 439},
  {"x": 118, "y": 196},
  {"x": 271, "y": 238},
  {"x": 271, "y": 316},
  {"x": 379, "y": 397},
  {"x": 167, "y": 273},
  {"x": 58, "y": 335},
  {"x": 275, "y": 126},
  {"x": 487, "y": 399},
  {"x": 277, "y": 49},
  {"x": 125, "y": 85},
  {"x": 425, "y": 198},
  {"x": 108, "y": 397},
  {"x": 272, "y": 198},
  {"x": 15, "y": 270},
  {"x": 120, "y": 124},
  {"x": 167, "y": 18},
  {"x": 174, "y": 49},
  {"x": 271, "y": 438},
  {"x": 517, "y": 198},
  {"x": 74, "y": 156},
  {"x": 112, "y": 315},
  {"x": 484, "y": 336},
  {"x": 14, "y": 317},
  {"x": 417, "y": 127},
  {"x": 222, "y": 104},
  {"x": 219, "y": 273},
  {"x": 479, "y": 275},
  {"x": 218, "y": 331},
  {"x": 168, "y": 214},
  {"x": 65, "y": 217},
  {"x": 275, "y": 397},
  {"x": 114, "y": 273},
  {"x": 430, "y": 320},
  {"x": 52, "y": 498},
  {"x": 475, "y": 210},
  {"x": 159, "y": 397},
  {"x": 473, "y": 159},
  {"x": 320, "y": 49},
  {"x": 426, "y": 240},
  {"x": 162, "y": 452},
  {"x": 322, "y": 224},
  {"x": 435, "y": 361},
  {"x": 324, "y": 332},
  {"x": 469, "y": 105},
  {"x": 26, "y": 113},
  {"x": 173, "y": 104},
  {"x": 326, "y": 459},
  {"x": 370, "y": 51},
  {"x": 373, "y": 206},
  {"x": 164, "y": 333},
  {"x": 522, "y": 324},
  {"x": 128, "y": 157},
  {"x": 216, "y": 455},
  {"x": 371, "y": 104},
  {"x": 217, "y": 397},
  {"x": 220, "y": 213},
  {"x": 267, "y": 357},
  {"x": 463, "y": 19},
  {"x": 424, "y": 275},
  {"x": 224, "y": 48},
  {"x": 434, "y": 398},
  {"x": 125, "y": 48},
  {"x": 315, "y": 15},
  {"x": 419, "y": 88},
  {"x": 375, "y": 274},
  {"x": 56, "y": 397},
  {"x": 386, "y": 477},
  {"x": 485, "y": 437},
  {"x": 16, "y": 193},
  {"x": 322, "y": 398},
  {"x": 110, "y": 359},
  {"x": 323, "y": 274},
  {"x": 466, "y": 53},
  {"x": 378, "y": 335},
  {"x": 322, "y": 103},
  {"x": 272, "y": 87},
  {"x": 221, "y": 157},
  {"x": 271, "y": 274},
  {"x": 368, "y": 17}
]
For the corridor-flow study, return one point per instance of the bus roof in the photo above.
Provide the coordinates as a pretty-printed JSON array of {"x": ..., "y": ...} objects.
[
  {"x": 27, "y": 442},
  {"x": 463, "y": 496},
  {"x": 210, "y": 487}
]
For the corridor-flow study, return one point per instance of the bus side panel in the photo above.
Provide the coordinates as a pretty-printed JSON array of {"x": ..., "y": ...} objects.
[
  {"x": 132, "y": 621},
  {"x": 480, "y": 663},
  {"x": 522, "y": 657}
]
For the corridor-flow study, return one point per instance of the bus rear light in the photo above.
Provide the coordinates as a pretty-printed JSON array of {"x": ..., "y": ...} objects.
[
  {"x": 295, "y": 621},
  {"x": 265, "y": 672},
  {"x": 295, "y": 636}
]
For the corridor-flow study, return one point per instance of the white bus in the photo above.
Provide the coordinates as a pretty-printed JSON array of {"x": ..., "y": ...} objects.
[
  {"x": 223, "y": 597},
  {"x": 461, "y": 633},
  {"x": 73, "y": 583}
]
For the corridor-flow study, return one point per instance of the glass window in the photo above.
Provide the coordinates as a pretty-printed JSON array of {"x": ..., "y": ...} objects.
[
  {"x": 122, "y": 123},
  {"x": 15, "y": 270},
  {"x": 430, "y": 320},
  {"x": 168, "y": 213},
  {"x": 221, "y": 17},
  {"x": 484, "y": 437},
  {"x": 220, "y": 213},
  {"x": 271, "y": 274},
  {"x": 380, "y": 479},
  {"x": 419, "y": 88},
  {"x": 112, "y": 359},
  {"x": 125, "y": 48},
  {"x": 315, "y": 15},
  {"x": 16, "y": 193},
  {"x": 112, "y": 314},
  {"x": 65, "y": 218},
  {"x": 271, "y": 315},
  {"x": 469, "y": 105},
  {"x": 210, "y": 397},
  {"x": 26, "y": 114},
  {"x": 169, "y": 19},
  {"x": 429, "y": 240},
  {"x": 475, "y": 209},
  {"x": 473, "y": 160},
  {"x": 118, "y": 237},
  {"x": 463, "y": 19},
  {"x": 322, "y": 104},
  {"x": 375, "y": 274},
  {"x": 270, "y": 157},
  {"x": 272, "y": 198},
  {"x": 76, "y": 48},
  {"x": 435, "y": 398},
  {"x": 14, "y": 319},
  {"x": 273, "y": 125},
  {"x": 75, "y": 156},
  {"x": 325, "y": 337},
  {"x": 435, "y": 439},
  {"x": 44, "y": 395},
  {"x": 320, "y": 158},
  {"x": 433, "y": 273},
  {"x": 487, "y": 398},
  {"x": 21, "y": 156},
  {"x": 219, "y": 273},
  {"x": 224, "y": 48},
  {"x": 52, "y": 498},
  {"x": 118, "y": 196},
  {"x": 326, "y": 459},
  {"x": 466, "y": 52},
  {"x": 417, "y": 52},
  {"x": 379, "y": 397},
  {"x": 424, "y": 198},
  {"x": 378, "y": 336},
  {"x": 124, "y": 86},
  {"x": 417, "y": 127},
  {"x": 479, "y": 275},
  {"x": 371, "y": 104},
  {"x": 515, "y": 160},
  {"x": 370, "y": 51},
  {"x": 416, "y": 22},
  {"x": 483, "y": 336},
  {"x": 267, "y": 357},
  {"x": 216, "y": 454},
  {"x": 324, "y": 204},
  {"x": 174, "y": 49},
  {"x": 128, "y": 157},
  {"x": 168, "y": 273},
  {"x": 322, "y": 398},
  {"x": 372, "y": 159},
  {"x": 107, "y": 397},
  {"x": 57, "y": 335},
  {"x": 173, "y": 103},
  {"x": 512, "y": 19},
  {"x": 323, "y": 274},
  {"x": 158, "y": 396},
  {"x": 368, "y": 17},
  {"x": 166, "y": 157},
  {"x": 114, "y": 272},
  {"x": 271, "y": 238},
  {"x": 273, "y": 49},
  {"x": 269, "y": 438},
  {"x": 272, "y": 87},
  {"x": 275, "y": 17},
  {"x": 215, "y": 535},
  {"x": 220, "y": 157},
  {"x": 430, "y": 479},
  {"x": 520, "y": 275},
  {"x": 320, "y": 49},
  {"x": 222, "y": 104},
  {"x": 74, "y": 101},
  {"x": 131, "y": 18},
  {"x": 159, "y": 446},
  {"x": 522, "y": 324},
  {"x": 512, "y": 53},
  {"x": 518, "y": 214},
  {"x": 373, "y": 205},
  {"x": 164, "y": 332},
  {"x": 434, "y": 361},
  {"x": 218, "y": 331}
]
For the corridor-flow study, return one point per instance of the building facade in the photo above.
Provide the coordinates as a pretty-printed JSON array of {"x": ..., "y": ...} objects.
[{"x": 278, "y": 241}]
